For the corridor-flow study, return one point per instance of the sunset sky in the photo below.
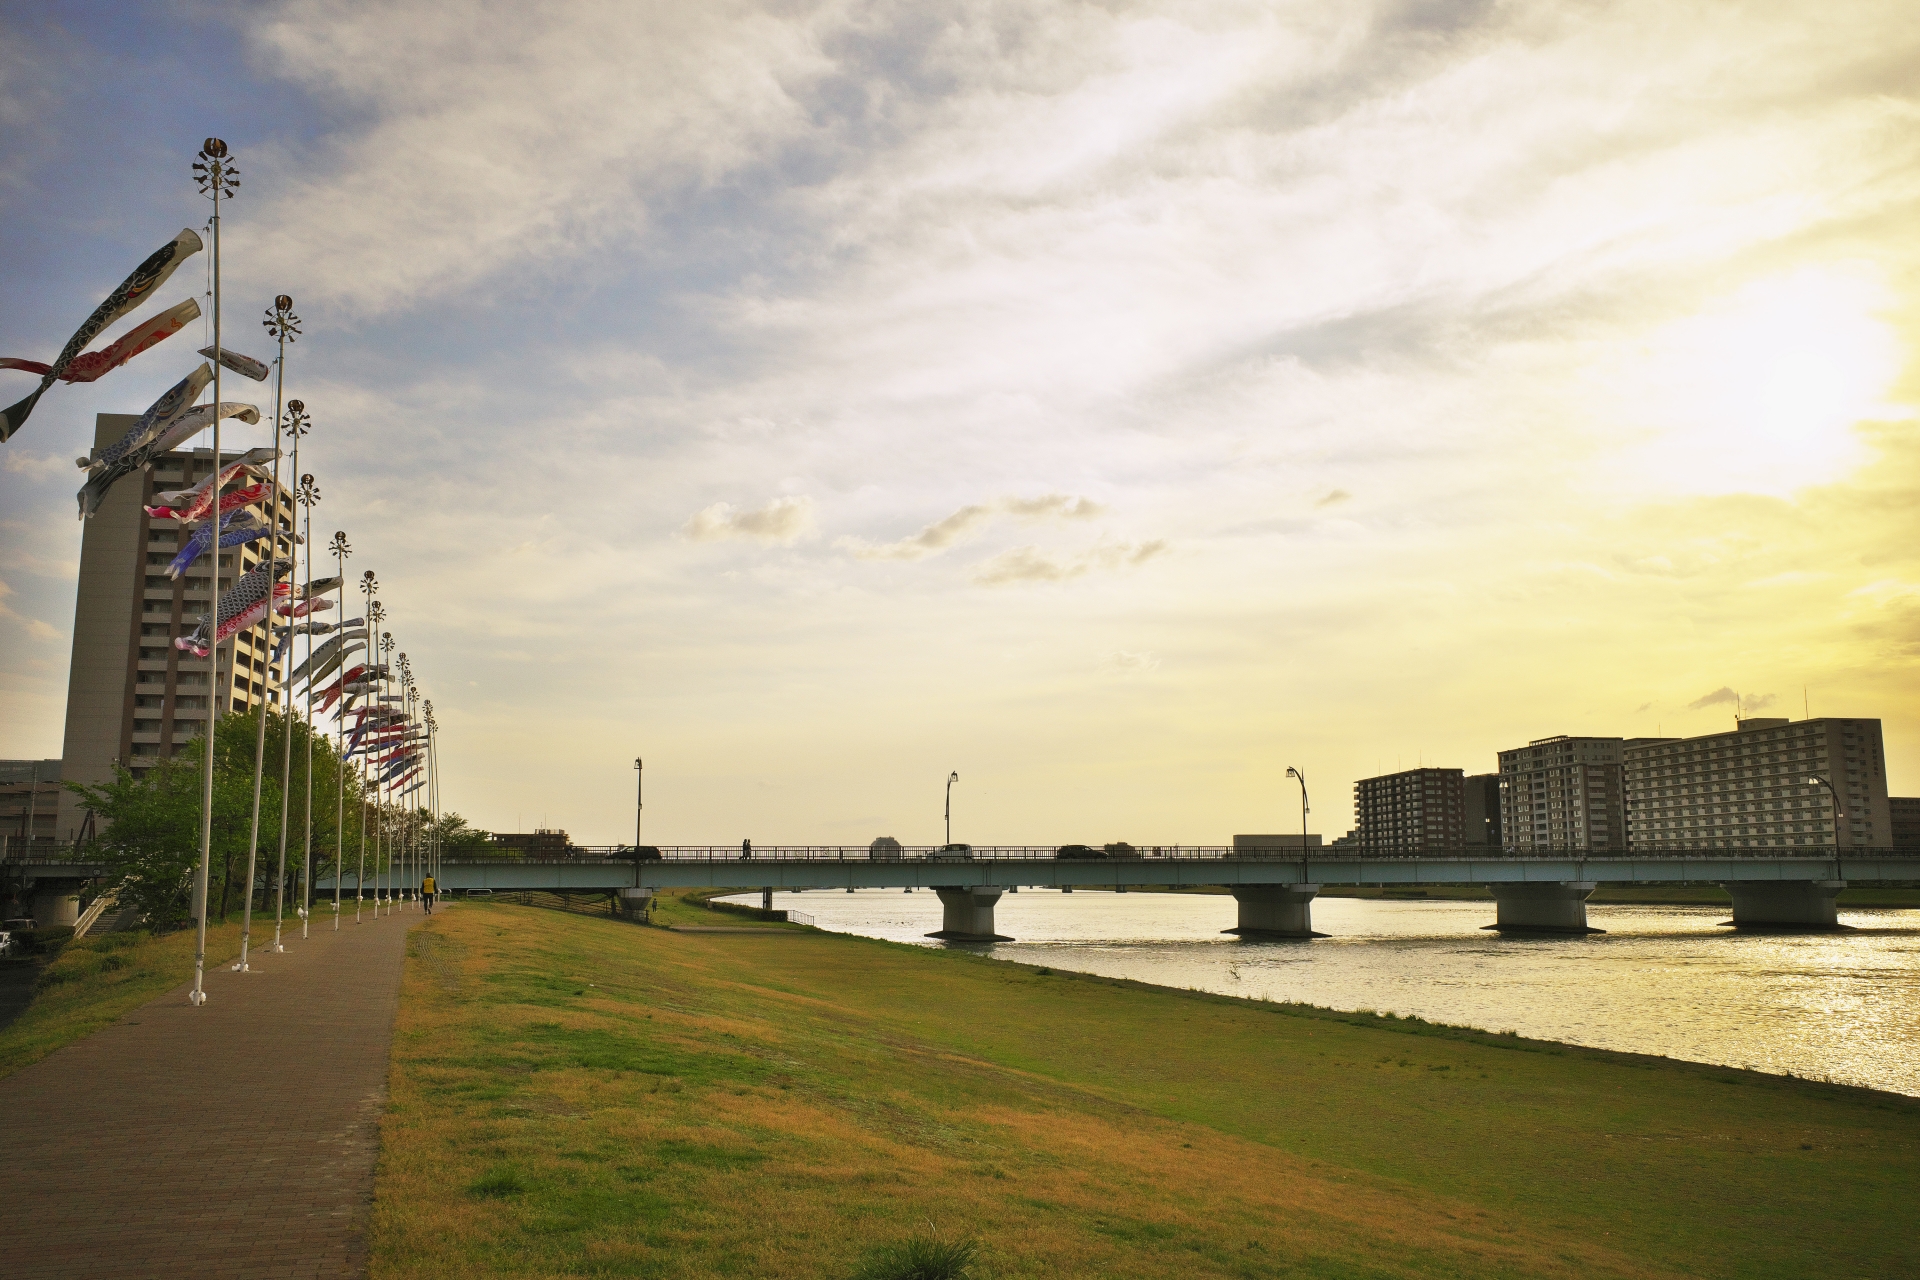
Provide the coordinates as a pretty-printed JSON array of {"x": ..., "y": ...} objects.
[{"x": 1116, "y": 403}]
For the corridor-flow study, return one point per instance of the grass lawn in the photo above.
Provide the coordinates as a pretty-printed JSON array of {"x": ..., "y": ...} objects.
[
  {"x": 90, "y": 983},
  {"x": 577, "y": 1096}
]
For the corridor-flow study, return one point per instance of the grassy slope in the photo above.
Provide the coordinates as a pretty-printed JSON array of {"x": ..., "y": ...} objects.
[
  {"x": 730, "y": 1105},
  {"x": 94, "y": 981}
]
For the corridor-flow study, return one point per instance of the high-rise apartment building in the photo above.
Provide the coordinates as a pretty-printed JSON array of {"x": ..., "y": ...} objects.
[
  {"x": 1904, "y": 814},
  {"x": 1563, "y": 793},
  {"x": 1751, "y": 787},
  {"x": 133, "y": 698},
  {"x": 1410, "y": 812},
  {"x": 1482, "y": 812}
]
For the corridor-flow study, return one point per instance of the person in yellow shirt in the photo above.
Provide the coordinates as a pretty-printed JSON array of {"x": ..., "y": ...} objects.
[{"x": 426, "y": 894}]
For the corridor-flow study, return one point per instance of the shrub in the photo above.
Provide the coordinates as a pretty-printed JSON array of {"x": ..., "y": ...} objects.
[{"x": 923, "y": 1258}]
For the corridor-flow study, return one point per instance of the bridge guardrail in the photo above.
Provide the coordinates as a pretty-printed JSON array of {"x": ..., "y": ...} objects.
[{"x": 1167, "y": 853}]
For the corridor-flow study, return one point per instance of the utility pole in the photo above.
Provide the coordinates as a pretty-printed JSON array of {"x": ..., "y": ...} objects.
[{"x": 640, "y": 801}]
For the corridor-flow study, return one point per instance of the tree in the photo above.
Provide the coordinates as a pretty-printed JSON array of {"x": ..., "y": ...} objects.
[{"x": 151, "y": 840}]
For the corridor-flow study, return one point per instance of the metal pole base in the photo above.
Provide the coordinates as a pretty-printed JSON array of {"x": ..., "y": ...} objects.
[{"x": 196, "y": 998}]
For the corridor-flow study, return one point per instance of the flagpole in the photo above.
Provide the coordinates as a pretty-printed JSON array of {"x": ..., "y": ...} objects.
[
  {"x": 386, "y": 835},
  {"x": 216, "y": 177},
  {"x": 368, "y": 585},
  {"x": 408, "y": 854},
  {"x": 294, "y": 425},
  {"x": 340, "y": 551},
  {"x": 309, "y": 497},
  {"x": 281, "y": 325}
]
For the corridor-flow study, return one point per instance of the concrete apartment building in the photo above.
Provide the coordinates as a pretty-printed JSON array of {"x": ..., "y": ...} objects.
[
  {"x": 29, "y": 803},
  {"x": 1749, "y": 787},
  {"x": 1413, "y": 811},
  {"x": 1904, "y": 813},
  {"x": 132, "y": 697},
  {"x": 1563, "y": 793},
  {"x": 1482, "y": 813}
]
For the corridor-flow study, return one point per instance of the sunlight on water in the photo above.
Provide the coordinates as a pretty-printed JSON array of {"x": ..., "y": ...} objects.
[{"x": 1661, "y": 980}]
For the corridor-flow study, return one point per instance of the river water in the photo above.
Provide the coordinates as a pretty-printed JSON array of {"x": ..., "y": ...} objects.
[{"x": 1660, "y": 980}]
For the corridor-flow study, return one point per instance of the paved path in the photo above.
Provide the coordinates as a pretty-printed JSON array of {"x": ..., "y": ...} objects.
[{"x": 237, "y": 1139}]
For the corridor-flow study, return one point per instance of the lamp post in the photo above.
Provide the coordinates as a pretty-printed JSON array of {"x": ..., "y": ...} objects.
[
  {"x": 293, "y": 424},
  {"x": 639, "y": 801},
  {"x": 951, "y": 779},
  {"x": 213, "y": 170},
  {"x": 1301, "y": 778},
  {"x": 1839, "y": 821}
]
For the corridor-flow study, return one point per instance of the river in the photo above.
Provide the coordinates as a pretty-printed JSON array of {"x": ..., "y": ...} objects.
[{"x": 1661, "y": 980}]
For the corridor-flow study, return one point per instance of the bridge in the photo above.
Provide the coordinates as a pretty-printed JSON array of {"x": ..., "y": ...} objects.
[{"x": 1770, "y": 887}]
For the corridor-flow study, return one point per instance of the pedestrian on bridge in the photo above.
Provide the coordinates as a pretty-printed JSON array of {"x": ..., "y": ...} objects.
[{"x": 746, "y": 850}]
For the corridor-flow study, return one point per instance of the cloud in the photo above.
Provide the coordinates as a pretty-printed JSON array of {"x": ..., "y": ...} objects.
[
  {"x": 941, "y": 534},
  {"x": 1124, "y": 663},
  {"x": 783, "y": 521},
  {"x": 1333, "y": 498},
  {"x": 1725, "y": 694},
  {"x": 35, "y": 628},
  {"x": 37, "y": 465},
  {"x": 1066, "y": 506},
  {"x": 932, "y": 540},
  {"x": 1030, "y": 564}
]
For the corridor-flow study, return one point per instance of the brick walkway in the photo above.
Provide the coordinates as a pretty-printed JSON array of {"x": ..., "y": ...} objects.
[{"x": 237, "y": 1139}]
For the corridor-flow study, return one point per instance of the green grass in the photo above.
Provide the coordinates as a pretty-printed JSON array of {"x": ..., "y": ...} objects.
[
  {"x": 573, "y": 1096},
  {"x": 683, "y": 907},
  {"x": 91, "y": 983}
]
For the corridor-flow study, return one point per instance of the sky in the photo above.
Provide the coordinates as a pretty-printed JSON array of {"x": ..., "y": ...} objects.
[{"x": 1115, "y": 404}]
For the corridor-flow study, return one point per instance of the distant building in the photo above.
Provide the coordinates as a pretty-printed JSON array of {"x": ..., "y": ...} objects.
[
  {"x": 1411, "y": 812},
  {"x": 29, "y": 803},
  {"x": 1563, "y": 793},
  {"x": 1271, "y": 844},
  {"x": 534, "y": 844},
  {"x": 1481, "y": 818},
  {"x": 133, "y": 698},
  {"x": 1903, "y": 814},
  {"x": 1750, "y": 787}
]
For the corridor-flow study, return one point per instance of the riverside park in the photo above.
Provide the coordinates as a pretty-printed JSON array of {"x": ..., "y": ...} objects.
[{"x": 547, "y": 1088}]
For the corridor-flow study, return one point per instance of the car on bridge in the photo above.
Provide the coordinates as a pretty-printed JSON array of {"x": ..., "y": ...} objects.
[
  {"x": 952, "y": 853},
  {"x": 1078, "y": 851},
  {"x": 645, "y": 853}
]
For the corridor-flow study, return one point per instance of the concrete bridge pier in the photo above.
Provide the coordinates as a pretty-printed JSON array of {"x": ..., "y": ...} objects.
[
  {"x": 967, "y": 914},
  {"x": 1542, "y": 906},
  {"x": 56, "y": 902},
  {"x": 1276, "y": 910},
  {"x": 1785, "y": 904}
]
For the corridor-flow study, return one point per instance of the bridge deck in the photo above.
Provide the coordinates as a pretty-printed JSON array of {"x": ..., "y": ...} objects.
[{"x": 1189, "y": 868}]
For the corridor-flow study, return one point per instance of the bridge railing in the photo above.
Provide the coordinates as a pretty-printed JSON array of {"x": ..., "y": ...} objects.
[{"x": 1150, "y": 853}]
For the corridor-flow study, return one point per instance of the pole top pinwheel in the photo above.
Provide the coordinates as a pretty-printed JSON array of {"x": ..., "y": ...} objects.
[
  {"x": 214, "y": 170},
  {"x": 340, "y": 547},
  {"x": 309, "y": 494},
  {"x": 295, "y": 423},
  {"x": 281, "y": 324}
]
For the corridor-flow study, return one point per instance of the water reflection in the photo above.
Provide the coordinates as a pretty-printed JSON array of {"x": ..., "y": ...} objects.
[{"x": 1663, "y": 980}]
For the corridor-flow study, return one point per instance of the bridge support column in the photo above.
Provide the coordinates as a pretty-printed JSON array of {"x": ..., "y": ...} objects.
[
  {"x": 967, "y": 914},
  {"x": 766, "y": 898},
  {"x": 1276, "y": 911},
  {"x": 56, "y": 902},
  {"x": 1548, "y": 907},
  {"x": 1784, "y": 904}
]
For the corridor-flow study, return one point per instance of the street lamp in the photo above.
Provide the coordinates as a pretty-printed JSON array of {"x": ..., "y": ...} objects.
[
  {"x": 951, "y": 779},
  {"x": 1839, "y": 820},
  {"x": 639, "y": 802},
  {"x": 1304, "y": 811}
]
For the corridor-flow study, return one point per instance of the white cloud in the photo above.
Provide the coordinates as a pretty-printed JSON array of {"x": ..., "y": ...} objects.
[
  {"x": 970, "y": 520},
  {"x": 1030, "y": 564},
  {"x": 783, "y": 521}
]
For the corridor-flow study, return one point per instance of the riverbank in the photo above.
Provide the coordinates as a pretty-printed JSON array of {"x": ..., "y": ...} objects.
[{"x": 574, "y": 1093}]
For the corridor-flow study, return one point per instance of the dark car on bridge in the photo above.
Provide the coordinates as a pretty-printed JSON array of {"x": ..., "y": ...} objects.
[
  {"x": 645, "y": 853},
  {"x": 1078, "y": 851}
]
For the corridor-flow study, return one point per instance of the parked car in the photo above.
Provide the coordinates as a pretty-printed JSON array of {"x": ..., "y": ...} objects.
[
  {"x": 952, "y": 853},
  {"x": 884, "y": 849},
  {"x": 1078, "y": 851}
]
